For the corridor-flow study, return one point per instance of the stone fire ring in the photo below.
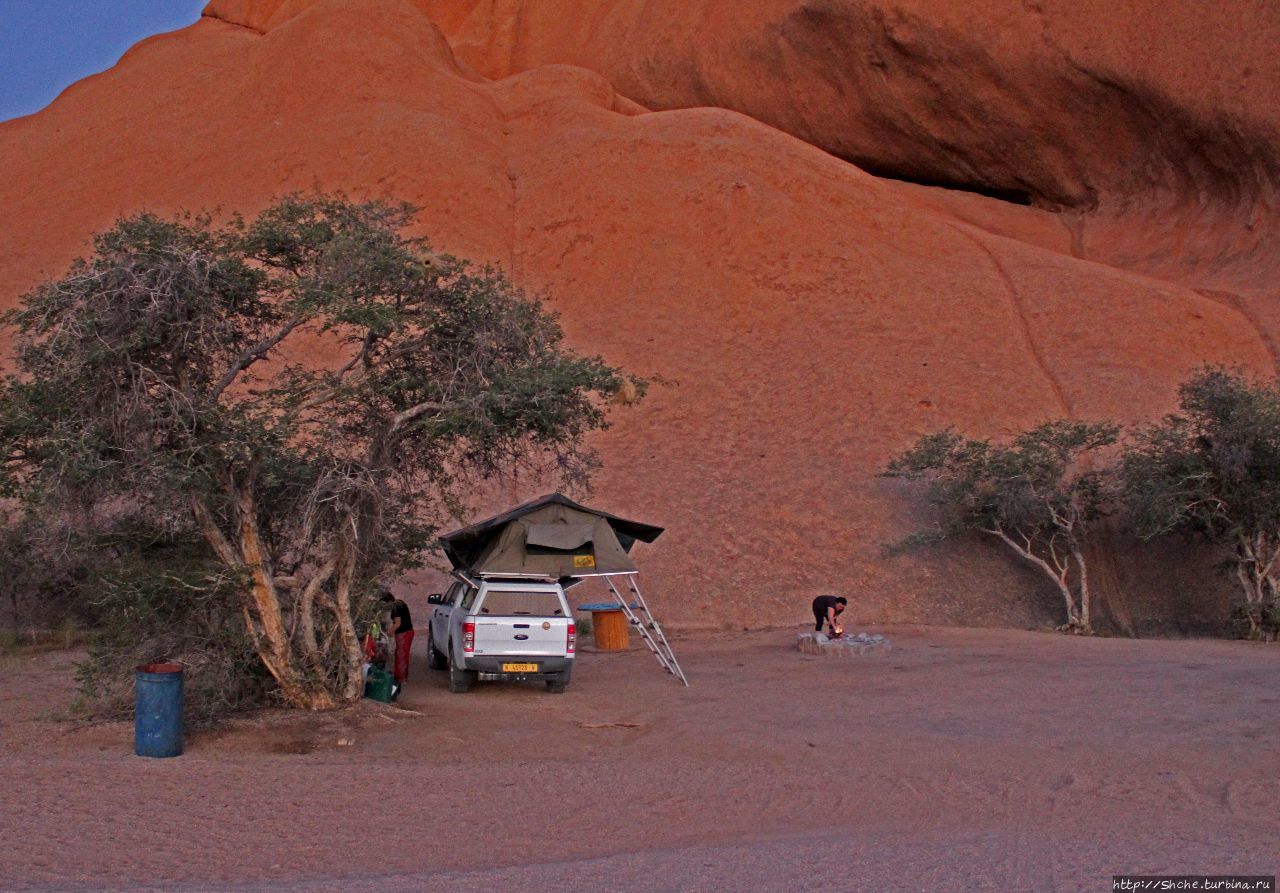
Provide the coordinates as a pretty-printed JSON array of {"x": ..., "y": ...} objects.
[{"x": 848, "y": 645}]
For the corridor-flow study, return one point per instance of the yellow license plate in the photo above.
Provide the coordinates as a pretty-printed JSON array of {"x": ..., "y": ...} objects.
[{"x": 519, "y": 668}]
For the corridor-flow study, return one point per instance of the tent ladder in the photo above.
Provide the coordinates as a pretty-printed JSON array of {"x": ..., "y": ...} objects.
[{"x": 650, "y": 632}]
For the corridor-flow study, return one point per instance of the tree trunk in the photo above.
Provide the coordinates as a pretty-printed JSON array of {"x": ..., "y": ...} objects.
[
  {"x": 1268, "y": 557},
  {"x": 307, "y": 621},
  {"x": 1251, "y": 596},
  {"x": 1254, "y": 558},
  {"x": 1059, "y": 578},
  {"x": 353, "y": 660},
  {"x": 1086, "y": 622},
  {"x": 260, "y": 602},
  {"x": 278, "y": 655},
  {"x": 1253, "y": 578}
]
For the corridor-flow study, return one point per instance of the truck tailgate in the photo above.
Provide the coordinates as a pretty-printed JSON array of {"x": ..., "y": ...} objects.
[{"x": 521, "y": 635}]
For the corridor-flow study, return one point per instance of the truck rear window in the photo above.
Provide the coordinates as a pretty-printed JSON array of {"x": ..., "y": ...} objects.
[{"x": 522, "y": 604}]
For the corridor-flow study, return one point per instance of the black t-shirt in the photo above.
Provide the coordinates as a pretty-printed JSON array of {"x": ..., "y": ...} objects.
[
  {"x": 822, "y": 603},
  {"x": 401, "y": 610}
]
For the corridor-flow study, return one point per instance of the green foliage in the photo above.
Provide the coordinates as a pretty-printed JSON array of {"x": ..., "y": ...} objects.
[
  {"x": 1213, "y": 470},
  {"x": 312, "y": 392},
  {"x": 1035, "y": 485},
  {"x": 1214, "y": 467},
  {"x": 917, "y": 539}
]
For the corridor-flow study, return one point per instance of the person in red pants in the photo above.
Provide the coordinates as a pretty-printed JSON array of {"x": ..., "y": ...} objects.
[{"x": 402, "y": 628}]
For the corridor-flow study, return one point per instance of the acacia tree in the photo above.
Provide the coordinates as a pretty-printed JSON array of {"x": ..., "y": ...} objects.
[
  {"x": 312, "y": 392},
  {"x": 1037, "y": 496},
  {"x": 1213, "y": 470}
]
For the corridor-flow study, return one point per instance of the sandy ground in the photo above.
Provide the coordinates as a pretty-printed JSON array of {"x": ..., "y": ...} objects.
[{"x": 964, "y": 760}]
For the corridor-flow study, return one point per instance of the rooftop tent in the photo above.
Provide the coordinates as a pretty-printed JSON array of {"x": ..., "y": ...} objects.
[
  {"x": 554, "y": 538},
  {"x": 550, "y": 538}
]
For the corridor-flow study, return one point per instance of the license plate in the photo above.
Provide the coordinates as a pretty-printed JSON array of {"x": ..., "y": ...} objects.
[{"x": 519, "y": 668}]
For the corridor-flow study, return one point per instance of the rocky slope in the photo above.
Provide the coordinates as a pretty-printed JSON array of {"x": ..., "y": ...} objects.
[
  {"x": 1152, "y": 127},
  {"x": 809, "y": 319},
  {"x": 1054, "y": 100}
]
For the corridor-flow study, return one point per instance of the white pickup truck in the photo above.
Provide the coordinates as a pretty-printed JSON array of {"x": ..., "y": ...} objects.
[{"x": 502, "y": 629}]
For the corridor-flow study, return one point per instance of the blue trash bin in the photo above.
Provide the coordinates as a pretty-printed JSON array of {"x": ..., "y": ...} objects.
[{"x": 157, "y": 725}]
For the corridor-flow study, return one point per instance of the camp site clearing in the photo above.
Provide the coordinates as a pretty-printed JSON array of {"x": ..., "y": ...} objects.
[{"x": 963, "y": 760}]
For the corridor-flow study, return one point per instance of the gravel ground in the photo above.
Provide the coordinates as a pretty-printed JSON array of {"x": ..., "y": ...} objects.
[{"x": 962, "y": 760}]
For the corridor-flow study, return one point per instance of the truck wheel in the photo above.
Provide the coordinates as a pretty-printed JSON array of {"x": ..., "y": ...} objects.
[
  {"x": 435, "y": 660},
  {"x": 459, "y": 680},
  {"x": 558, "y": 683}
]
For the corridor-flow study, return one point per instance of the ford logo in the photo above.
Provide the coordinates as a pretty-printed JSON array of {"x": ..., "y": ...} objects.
[{"x": 521, "y": 637}]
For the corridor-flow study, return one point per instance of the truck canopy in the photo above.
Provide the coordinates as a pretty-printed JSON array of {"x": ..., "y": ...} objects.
[{"x": 550, "y": 538}]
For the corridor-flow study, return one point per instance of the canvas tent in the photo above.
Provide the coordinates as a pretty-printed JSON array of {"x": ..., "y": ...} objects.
[
  {"x": 555, "y": 538},
  {"x": 551, "y": 538}
]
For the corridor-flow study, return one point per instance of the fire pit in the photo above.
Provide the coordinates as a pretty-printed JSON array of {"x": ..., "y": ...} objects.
[{"x": 848, "y": 645}]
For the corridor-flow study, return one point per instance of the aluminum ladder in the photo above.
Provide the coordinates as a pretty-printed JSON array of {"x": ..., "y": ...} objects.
[{"x": 650, "y": 632}]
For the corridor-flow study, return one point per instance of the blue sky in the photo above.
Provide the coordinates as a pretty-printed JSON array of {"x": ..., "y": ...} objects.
[{"x": 47, "y": 45}]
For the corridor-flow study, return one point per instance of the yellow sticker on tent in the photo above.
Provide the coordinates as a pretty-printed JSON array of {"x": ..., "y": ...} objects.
[{"x": 584, "y": 561}]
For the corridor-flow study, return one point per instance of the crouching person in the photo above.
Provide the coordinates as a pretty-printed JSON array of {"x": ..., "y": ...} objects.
[
  {"x": 401, "y": 630},
  {"x": 826, "y": 610}
]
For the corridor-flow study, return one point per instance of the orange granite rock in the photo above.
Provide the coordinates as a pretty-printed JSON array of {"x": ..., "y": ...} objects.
[{"x": 806, "y": 319}]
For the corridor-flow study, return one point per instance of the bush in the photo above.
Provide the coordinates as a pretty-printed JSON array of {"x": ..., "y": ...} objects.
[
  {"x": 162, "y": 599},
  {"x": 1212, "y": 470},
  {"x": 44, "y": 569}
]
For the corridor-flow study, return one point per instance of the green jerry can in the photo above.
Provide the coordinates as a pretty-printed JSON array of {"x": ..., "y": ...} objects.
[{"x": 378, "y": 685}]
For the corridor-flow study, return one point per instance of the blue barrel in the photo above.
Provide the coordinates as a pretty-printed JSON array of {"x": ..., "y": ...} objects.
[{"x": 157, "y": 724}]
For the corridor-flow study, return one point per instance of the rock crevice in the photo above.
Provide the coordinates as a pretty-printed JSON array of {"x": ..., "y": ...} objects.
[{"x": 1130, "y": 111}]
